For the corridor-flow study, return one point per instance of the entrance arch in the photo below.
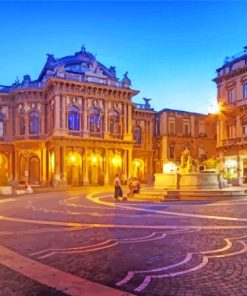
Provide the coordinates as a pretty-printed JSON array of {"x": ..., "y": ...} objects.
[
  {"x": 74, "y": 169},
  {"x": 95, "y": 170},
  {"x": 3, "y": 169},
  {"x": 34, "y": 170},
  {"x": 138, "y": 168}
]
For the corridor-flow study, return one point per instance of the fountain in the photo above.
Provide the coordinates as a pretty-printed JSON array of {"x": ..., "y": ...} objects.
[{"x": 187, "y": 177}]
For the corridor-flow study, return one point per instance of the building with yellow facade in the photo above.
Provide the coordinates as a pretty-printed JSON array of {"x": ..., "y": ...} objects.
[
  {"x": 231, "y": 83},
  {"x": 76, "y": 124}
]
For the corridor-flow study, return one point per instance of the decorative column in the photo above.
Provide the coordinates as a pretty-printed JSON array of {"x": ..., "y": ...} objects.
[
  {"x": 85, "y": 168},
  {"x": 63, "y": 112},
  {"x": 43, "y": 166},
  {"x": 63, "y": 164},
  {"x": 106, "y": 167},
  {"x": 85, "y": 128},
  {"x": 57, "y": 171},
  {"x": 129, "y": 160},
  {"x": 106, "y": 132},
  {"x": 128, "y": 135},
  {"x": 16, "y": 161},
  {"x": 57, "y": 112}
]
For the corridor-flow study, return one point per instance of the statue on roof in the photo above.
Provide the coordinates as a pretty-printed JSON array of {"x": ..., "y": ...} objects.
[
  {"x": 126, "y": 81},
  {"x": 83, "y": 48}
]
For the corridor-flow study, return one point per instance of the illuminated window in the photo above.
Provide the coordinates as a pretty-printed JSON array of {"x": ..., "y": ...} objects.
[
  {"x": 186, "y": 129},
  {"x": 33, "y": 123},
  {"x": 137, "y": 135},
  {"x": 94, "y": 120},
  {"x": 1, "y": 125},
  {"x": 201, "y": 151},
  {"x": 73, "y": 118},
  {"x": 245, "y": 90},
  {"x": 244, "y": 127}
]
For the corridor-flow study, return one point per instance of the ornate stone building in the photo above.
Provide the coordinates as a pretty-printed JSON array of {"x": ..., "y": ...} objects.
[
  {"x": 231, "y": 83},
  {"x": 178, "y": 130},
  {"x": 76, "y": 124}
]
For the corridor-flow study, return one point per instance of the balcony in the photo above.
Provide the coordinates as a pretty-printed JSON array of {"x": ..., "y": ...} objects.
[
  {"x": 229, "y": 142},
  {"x": 143, "y": 107},
  {"x": 75, "y": 133}
]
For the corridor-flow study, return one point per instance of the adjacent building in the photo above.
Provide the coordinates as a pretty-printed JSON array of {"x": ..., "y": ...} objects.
[
  {"x": 231, "y": 83},
  {"x": 76, "y": 124}
]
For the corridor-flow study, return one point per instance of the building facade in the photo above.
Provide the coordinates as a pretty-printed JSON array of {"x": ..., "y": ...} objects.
[
  {"x": 77, "y": 125},
  {"x": 231, "y": 83},
  {"x": 177, "y": 130}
]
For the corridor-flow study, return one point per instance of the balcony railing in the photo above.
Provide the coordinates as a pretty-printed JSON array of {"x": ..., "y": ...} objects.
[{"x": 228, "y": 142}]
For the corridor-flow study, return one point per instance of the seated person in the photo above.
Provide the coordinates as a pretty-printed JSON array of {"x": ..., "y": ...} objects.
[
  {"x": 136, "y": 186},
  {"x": 28, "y": 188}
]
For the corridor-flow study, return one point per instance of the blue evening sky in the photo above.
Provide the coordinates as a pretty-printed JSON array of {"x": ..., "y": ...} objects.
[{"x": 170, "y": 49}]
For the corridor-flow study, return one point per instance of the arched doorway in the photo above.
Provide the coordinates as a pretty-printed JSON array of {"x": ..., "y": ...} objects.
[
  {"x": 138, "y": 169},
  {"x": 3, "y": 169},
  {"x": 95, "y": 171},
  {"x": 74, "y": 169},
  {"x": 116, "y": 165},
  {"x": 34, "y": 170}
]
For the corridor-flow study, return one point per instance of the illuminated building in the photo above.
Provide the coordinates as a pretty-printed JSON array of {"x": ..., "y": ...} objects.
[
  {"x": 76, "y": 124},
  {"x": 177, "y": 130},
  {"x": 231, "y": 83}
]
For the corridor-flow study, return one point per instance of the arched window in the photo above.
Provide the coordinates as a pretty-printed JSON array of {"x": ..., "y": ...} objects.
[
  {"x": 74, "y": 118},
  {"x": 94, "y": 120},
  {"x": 1, "y": 125},
  {"x": 137, "y": 135},
  {"x": 22, "y": 124},
  {"x": 114, "y": 120},
  {"x": 33, "y": 123}
]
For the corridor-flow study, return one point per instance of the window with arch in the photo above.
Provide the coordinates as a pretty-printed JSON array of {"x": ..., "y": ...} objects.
[
  {"x": 114, "y": 122},
  {"x": 1, "y": 125},
  {"x": 137, "y": 135},
  {"x": 33, "y": 123},
  {"x": 22, "y": 124},
  {"x": 94, "y": 120},
  {"x": 73, "y": 118}
]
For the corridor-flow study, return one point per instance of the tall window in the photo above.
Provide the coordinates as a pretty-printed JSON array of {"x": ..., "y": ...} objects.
[
  {"x": 114, "y": 127},
  {"x": 94, "y": 120},
  {"x": 33, "y": 123},
  {"x": 172, "y": 150},
  {"x": 186, "y": 129},
  {"x": 1, "y": 125},
  {"x": 73, "y": 118},
  {"x": 171, "y": 129},
  {"x": 231, "y": 95},
  {"x": 137, "y": 135},
  {"x": 245, "y": 90}
]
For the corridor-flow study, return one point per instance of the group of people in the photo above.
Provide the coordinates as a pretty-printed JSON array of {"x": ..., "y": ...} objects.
[{"x": 133, "y": 184}]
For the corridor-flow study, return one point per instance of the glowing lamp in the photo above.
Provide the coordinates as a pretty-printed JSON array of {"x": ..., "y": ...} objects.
[{"x": 72, "y": 158}]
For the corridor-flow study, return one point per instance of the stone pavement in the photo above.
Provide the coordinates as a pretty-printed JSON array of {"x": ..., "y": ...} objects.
[{"x": 134, "y": 247}]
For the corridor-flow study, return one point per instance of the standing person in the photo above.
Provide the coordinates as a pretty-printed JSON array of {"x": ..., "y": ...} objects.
[
  {"x": 118, "y": 188},
  {"x": 130, "y": 193}
]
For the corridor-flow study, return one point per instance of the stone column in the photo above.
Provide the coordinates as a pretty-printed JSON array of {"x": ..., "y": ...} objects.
[
  {"x": 63, "y": 112},
  {"x": 106, "y": 167},
  {"x": 63, "y": 163},
  {"x": 43, "y": 166},
  {"x": 192, "y": 126},
  {"x": 106, "y": 131},
  {"x": 57, "y": 112},
  {"x": 85, "y": 127},
  {"x": 57, "y": 171},
  {"x": 129, "y": 160},
  {"x": 16, "y": 165},
  {"x": 85, "y": 168}
]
